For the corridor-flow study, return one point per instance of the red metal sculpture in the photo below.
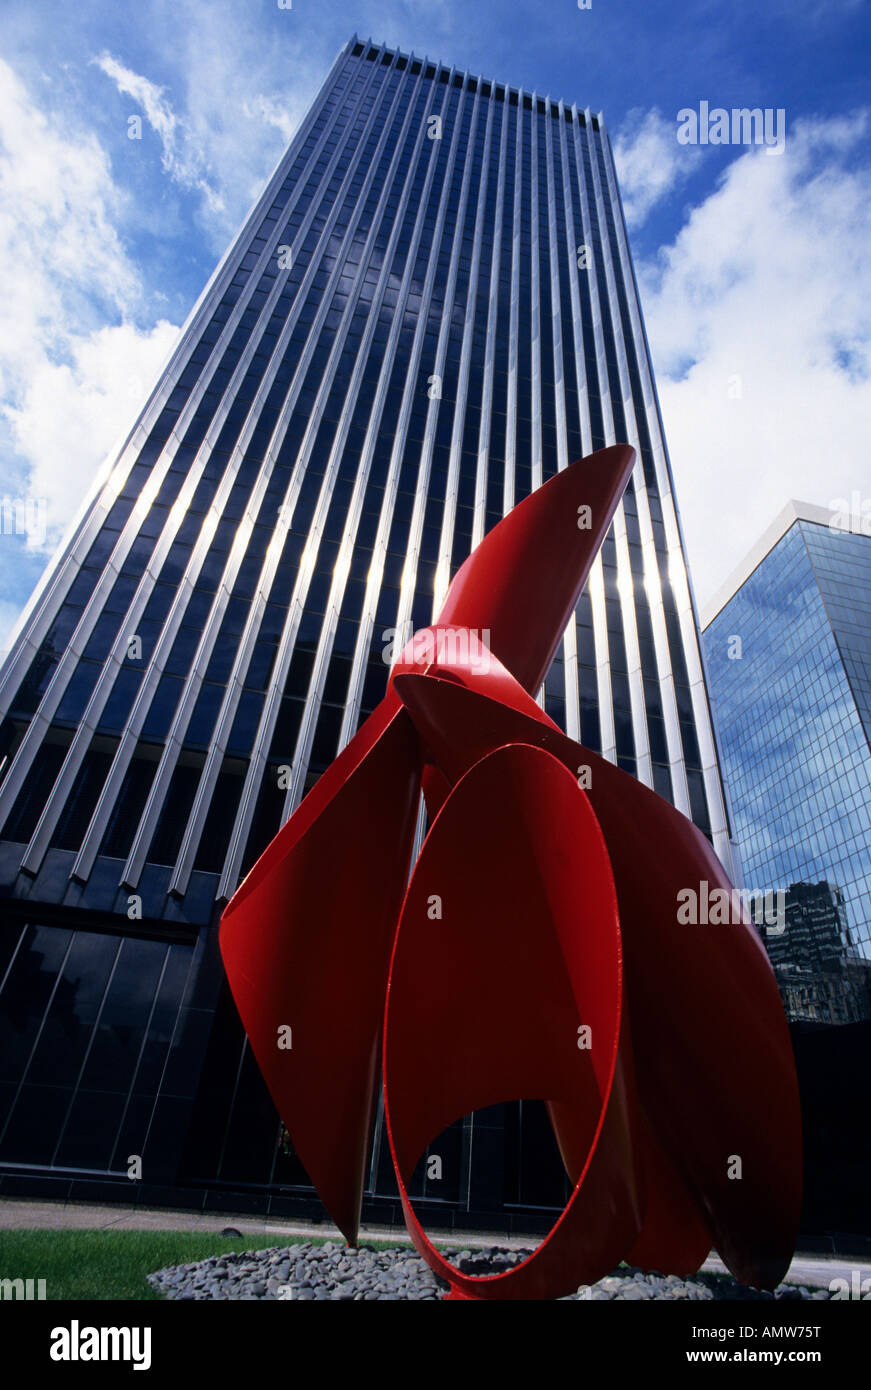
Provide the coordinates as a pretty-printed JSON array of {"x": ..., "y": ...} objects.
[{"x": 536, "y": 952}]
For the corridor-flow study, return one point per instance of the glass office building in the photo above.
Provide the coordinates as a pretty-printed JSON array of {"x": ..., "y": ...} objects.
[
  {"x": 430, "y": 310},
  {"x": 788, "y": 645}
]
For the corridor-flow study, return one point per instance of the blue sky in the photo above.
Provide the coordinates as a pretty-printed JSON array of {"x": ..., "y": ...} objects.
[{"x": 754, "y": 270}]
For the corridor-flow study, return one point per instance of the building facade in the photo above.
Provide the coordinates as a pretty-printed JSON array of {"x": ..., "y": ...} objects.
[
  {"x": 788, "y": 646},
  {"x": 430, "y": 310}
]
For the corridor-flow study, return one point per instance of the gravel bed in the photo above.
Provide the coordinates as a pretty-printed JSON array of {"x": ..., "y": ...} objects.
[{"x": 309, "y": 1272}]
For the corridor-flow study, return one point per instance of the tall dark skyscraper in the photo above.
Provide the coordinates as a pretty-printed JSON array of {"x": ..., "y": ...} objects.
[{"x": 430, "y": 310}]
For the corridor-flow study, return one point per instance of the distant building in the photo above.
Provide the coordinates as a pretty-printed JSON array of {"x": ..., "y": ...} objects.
[
  {"x": 788, "y": 647},
  {"x": 823, "y": 978}
]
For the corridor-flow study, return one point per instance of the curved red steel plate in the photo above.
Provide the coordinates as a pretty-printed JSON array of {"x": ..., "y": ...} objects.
[
  {"x": 713, "y": 1057},
  {"x": 306, "y": 943},
  {"x": 485, "y": 1004},
  {"x": 523, "y": 580}
]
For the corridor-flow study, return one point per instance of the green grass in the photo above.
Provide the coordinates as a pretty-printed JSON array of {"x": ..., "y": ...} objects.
[{"x": 113, "y": 1264}]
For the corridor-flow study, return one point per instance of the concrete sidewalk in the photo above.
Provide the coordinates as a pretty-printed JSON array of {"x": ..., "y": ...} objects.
[{"x": 25, "y": 1214}]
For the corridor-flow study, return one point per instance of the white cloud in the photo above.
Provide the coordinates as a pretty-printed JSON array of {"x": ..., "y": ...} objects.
[
  {"x": 182, "y": 156},
  {"x": 272, "y": 85},
  {"x": 272, "y": 112},
  {"x": 61, "y": 259},
  {"x": 70, "y": 344},
  {"x": 237, "y": 98},
  {"x": 650, "y": 163},
  {"x": 759, "y": 317},
  {"x": 74, "y": 412}
]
